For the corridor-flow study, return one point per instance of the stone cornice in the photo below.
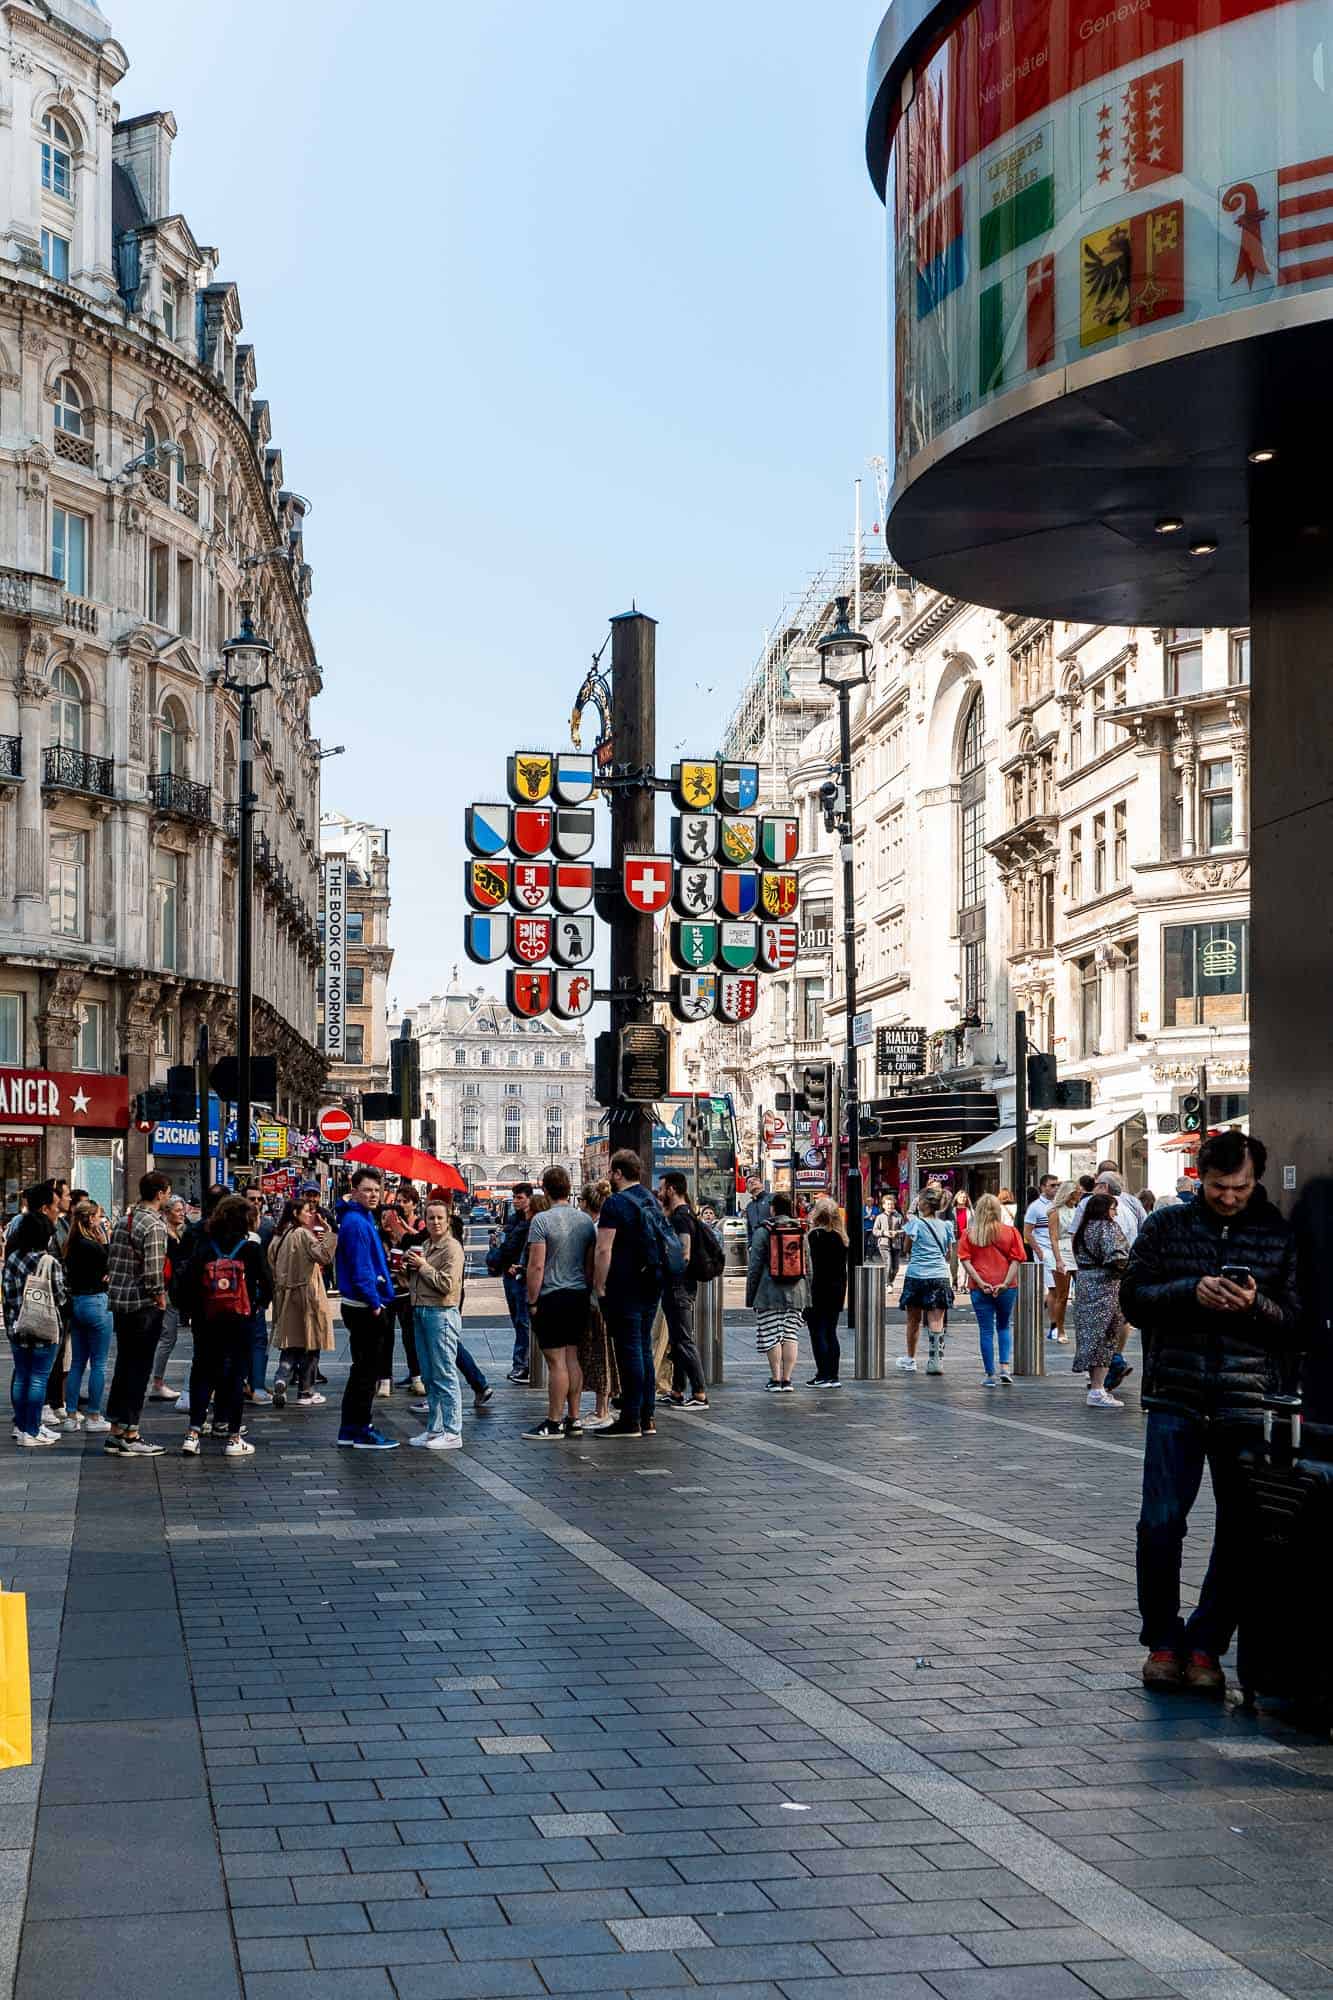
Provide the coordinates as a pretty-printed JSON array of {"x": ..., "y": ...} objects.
[{"x": 931, "y": 623}]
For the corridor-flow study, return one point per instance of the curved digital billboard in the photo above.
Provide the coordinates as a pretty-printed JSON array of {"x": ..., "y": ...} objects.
[{"x": 1076, "y": 190}]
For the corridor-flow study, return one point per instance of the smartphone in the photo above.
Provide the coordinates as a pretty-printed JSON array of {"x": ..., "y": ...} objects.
[{"x": 1238, "y": 1274}]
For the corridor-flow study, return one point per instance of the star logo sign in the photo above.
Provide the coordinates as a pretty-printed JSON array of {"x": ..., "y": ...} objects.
[{"x": 80, "y": 1100}]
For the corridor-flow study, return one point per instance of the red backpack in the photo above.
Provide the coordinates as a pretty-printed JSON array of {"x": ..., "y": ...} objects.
[
  {"x": 223, "y": 1292},
  {"x": 786, "y": 1251}
]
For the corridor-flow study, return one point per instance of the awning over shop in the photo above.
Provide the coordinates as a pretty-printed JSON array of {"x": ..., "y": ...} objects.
[
  {"x": 995, "y": 1144},
  {"x": 1094, "y": 1130}
]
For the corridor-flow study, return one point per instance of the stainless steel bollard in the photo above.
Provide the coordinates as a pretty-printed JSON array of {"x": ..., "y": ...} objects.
[
  {"x": 708, "y": 1328},
  {"x": 871, "y": 1351},
  {"x": 1030, "y": 1320},
  {"x": 536, "y": 1363}
]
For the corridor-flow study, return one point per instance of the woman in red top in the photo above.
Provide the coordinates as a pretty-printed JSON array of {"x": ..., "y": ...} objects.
[{"x": 990, "y": 1252}]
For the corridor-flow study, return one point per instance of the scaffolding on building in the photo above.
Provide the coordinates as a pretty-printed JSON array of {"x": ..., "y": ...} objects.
[{"x": 783, "y": 699}]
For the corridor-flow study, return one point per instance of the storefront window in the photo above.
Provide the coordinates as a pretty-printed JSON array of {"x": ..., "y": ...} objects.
[{"x": 1205, "y": 973}]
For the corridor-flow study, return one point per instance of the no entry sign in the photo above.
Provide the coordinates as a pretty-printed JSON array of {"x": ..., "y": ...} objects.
[{"x": 334, "y": 1125}]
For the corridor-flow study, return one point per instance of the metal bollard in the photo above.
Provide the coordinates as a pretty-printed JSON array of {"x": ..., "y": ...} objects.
[
  {"x": 871, "y": 1351},
  {"x": 536, "y": 1362},
  {"x": 708, "y": 1329},
  {"x": 1030, "y": 1321}
]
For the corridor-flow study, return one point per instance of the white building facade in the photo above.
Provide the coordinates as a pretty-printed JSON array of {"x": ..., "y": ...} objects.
[
  {"x": 505, "y": 1097},
  {"x": 140, "y": 503}
]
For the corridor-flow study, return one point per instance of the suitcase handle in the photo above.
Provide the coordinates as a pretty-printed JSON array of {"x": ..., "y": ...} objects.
[{"x": 1277, "y": 1407}]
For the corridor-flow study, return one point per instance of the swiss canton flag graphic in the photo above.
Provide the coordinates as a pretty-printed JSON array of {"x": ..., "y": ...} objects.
[
  {"x": 1133, "y": 134},
  {"x": 531, "y": 885},
  {"x": 777, "y": 946},
  {"x": 1276, "y": 228},
  {"x": 532, "y": 830},
  {"x": 531, "y": 939},
  {"x": 646, "y": 880}
]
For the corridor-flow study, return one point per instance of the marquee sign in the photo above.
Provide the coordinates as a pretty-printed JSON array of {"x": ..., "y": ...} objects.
[
  {"x": 79, "y": 1098},
  {"x": 335, "y": 956}
]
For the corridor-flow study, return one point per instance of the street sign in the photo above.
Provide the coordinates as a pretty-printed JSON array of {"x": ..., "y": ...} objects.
[
  {"x": 694, "y": 836},
  {"x": 739, "y": 841},
  {"x": 739, "y": 893},
  {"x": 694, "y": 945},
  {"x": 272, "y": 1141},
  {"x": 740, "y": 787},
  {"x": 737, "y": 995},
  {"x": 573, "y": 778},
  {"x": 645, "y": 1062},
  {"x": 485, "y": 938},
  {"x": 530, "y": 940},
  {"x": 486, "y": 884},
  {"x": 334, "y": 1125},
  {"x": 777, "y": 947},
  {"x": 738, "y": 946},
  {"x": 574, "y": 832},
  {"x": 861, "y": 1030},
  {"x": 779, "y": 893},
  {"x": 696, "y": 891},
  {"x": 779, "y": 839},
  {"x": 900, "y": 1052},
  {"x": 531, "y": 885}
]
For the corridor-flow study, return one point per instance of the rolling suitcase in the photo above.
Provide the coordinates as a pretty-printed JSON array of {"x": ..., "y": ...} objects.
[{"x": 1284, "y": 1639}]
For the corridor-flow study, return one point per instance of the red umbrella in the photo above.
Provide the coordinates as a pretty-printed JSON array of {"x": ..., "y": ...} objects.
[{"x": 408, "y": 1162}]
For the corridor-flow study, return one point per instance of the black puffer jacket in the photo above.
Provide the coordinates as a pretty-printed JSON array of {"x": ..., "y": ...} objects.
[{"x": 1198, "y": 1362}]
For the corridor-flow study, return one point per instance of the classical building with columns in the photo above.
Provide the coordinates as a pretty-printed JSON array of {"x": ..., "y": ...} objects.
[{"x": 141, "y": 502}]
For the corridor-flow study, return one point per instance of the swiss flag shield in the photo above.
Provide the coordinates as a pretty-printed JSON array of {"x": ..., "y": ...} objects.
[
  {"x": 531, "y": 829},
  {"x": 646, "y": 880}
]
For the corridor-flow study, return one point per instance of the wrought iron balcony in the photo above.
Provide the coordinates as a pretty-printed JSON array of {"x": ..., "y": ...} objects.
[
  {"x": 76, "y": 771},
  {"x": 231, "y": 821},
  {"x": 11, "y": 756},
  {"x": 263, "y": 852},
  {"x": 181, "y": 797}
]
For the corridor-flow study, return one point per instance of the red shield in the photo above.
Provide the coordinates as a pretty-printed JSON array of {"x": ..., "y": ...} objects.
[
  {"x": 531, "y": 885},
  {"x": 571, "y": 889},
  {"x": 646, "y": 879},
  {"x": 737, "y": 995},
  {"x": 528, "y": 994},
  {"x": 531, "y": 830},
  {"x": 530, "y": 940},
  {"x": 486, "y": 884}
]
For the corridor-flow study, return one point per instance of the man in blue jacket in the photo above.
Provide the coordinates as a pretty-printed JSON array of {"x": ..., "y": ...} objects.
[{"x": 367, "y": 1294}]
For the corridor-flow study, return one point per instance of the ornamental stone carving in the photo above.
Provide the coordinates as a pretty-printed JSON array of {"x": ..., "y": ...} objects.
[{"x": 1205, "y": 875}]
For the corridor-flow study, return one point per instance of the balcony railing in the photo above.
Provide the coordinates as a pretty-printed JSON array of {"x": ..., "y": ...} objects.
[
  {"x": 231, "y": 821},
  {"x": 158, "y": 483},
  {"x": 77, "y": 611},
  {"x": 11, "y": 756},
  {"x": 181, "y": 797},
  {"x": 76, "y": 771},
  {"x": 25, "y": 592},
  {"x": 187, "y": 503},
  {"x": 78, "y": 450}
]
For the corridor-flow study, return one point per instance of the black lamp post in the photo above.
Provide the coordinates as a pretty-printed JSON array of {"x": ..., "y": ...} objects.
[
  {"x": 245, "y": 674},
  {"x": 843, "y": 666}
]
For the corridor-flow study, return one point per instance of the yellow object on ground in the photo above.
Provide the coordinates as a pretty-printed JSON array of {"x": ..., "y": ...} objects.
[{"x": 15, "y": 1688}]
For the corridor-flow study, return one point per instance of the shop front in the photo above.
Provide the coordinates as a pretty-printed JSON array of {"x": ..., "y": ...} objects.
[
  {"x": 63, "y": 1122},
  {"x": 922, "y": 1135}
]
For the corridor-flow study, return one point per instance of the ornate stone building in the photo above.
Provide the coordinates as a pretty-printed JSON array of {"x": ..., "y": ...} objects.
[
  {"x": 141, "y": 501},
  {"x": 507, "y": 1097}
]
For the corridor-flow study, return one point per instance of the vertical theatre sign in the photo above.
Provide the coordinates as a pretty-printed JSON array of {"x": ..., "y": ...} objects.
[{"x": 335, "y": 955}]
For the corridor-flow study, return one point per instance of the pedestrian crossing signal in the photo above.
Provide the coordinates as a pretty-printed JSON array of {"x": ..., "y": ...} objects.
[{"x": 1191, "y": 1112}]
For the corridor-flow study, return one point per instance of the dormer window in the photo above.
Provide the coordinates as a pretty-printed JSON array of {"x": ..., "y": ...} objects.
[{"x": 57, "y": 158}]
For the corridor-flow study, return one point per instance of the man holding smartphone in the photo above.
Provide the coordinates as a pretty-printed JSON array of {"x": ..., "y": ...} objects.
[{"x": 1212, "y": 1285}]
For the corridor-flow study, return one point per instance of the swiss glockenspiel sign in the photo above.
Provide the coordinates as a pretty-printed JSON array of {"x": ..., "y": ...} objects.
[
  {"x": 528, "y": 884},
  {"x": 729, "y": 886}
]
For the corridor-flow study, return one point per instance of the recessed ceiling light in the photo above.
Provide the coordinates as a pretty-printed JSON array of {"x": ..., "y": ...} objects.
[
  {"x": 1262, "y": 455},
  {"x": 1170, "y": 524},
  {"x": 1203, "y": 548}
]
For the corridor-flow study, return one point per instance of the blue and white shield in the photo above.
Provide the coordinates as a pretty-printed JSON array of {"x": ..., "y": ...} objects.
[
  {"x": 486, "y": 830},
  {"x": 573, "y": 778},
  {"x": 740, "y": 787},
  {"x": 485, "y": 939}
]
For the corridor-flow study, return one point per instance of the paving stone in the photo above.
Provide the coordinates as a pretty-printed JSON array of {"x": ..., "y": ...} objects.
[{"x": 658, "y": 1933}]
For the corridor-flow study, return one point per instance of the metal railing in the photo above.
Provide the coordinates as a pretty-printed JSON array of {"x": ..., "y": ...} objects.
[
  {"x": 231, "y": 821},
  {"x": 77, "y": 771},
  {"x": 181, "y": 797}
]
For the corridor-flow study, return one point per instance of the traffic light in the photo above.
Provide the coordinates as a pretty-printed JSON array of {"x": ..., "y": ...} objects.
[
  {"x": 1191, "y": 1112},
  {"x": 182, "y": 1091},
  {"x": 406, "y": 1055},
  {"x": 815, "y": 1088},
  {"x": 1047, "y": 1093},
  {"x": 150, "y": 1107}
]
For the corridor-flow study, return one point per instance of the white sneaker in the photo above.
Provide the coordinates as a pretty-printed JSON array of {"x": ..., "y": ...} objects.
[
  {"x": 71, "y": 1421},
  {"x": 440, "y": 1441},
  {"x": 383, "y": 1388},
  {"x": 238, "y": 1448},
  {"x": 420, "y": 1438},
  {"x": 190, "y": 1448},
  {"x": 52, "y": 1419},
  {"x": 97, "y": 1423},
  {"x": 30, "y": 1443},
  {"x": 990, "y": 1381},
  {"x": 907, "y": 1362},
  {"x": 1098, "y": 1399}
]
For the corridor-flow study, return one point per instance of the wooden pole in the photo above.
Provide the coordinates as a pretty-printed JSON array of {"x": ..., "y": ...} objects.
[{"x": 633, "y": 820}]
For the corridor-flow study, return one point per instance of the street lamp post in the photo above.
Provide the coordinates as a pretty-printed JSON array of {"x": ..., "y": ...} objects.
[
  {"x": 245, "y": 675},
  {"x": 843, "y": 657}
]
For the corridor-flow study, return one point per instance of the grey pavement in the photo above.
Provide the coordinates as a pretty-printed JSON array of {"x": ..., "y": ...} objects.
[{"x": 823, "y": 1697}]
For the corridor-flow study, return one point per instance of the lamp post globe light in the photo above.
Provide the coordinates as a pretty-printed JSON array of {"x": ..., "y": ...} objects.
[
  {"x": 844, "y": 665},
  {"x": 245, "y": 674}
]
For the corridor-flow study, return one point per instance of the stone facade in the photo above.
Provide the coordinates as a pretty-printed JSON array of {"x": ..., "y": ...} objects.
[
  {"x": 507, "y": 1097},
  {"x": 368, "y": 958},
  {"x": 141, "y": 502}
]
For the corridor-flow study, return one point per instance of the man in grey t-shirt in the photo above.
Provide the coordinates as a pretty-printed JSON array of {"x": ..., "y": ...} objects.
[{"x": 561, "y": 1241}]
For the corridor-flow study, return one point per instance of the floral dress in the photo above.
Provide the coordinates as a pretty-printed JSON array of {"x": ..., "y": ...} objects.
[{"x": 1102, "y": 1254}]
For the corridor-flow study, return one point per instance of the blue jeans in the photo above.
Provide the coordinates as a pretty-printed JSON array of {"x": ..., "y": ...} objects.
[
  {"x": 437, "y": 1331},
  {"x": 994, "y": 1315},
  {"x": 1174, "y": 1456},
  {"x": 630, "y": 1324},
  {"x": 32, "y": 1369},
  {"x": 258, "y": 1350},
  {"x": 470, "y": 1372},
  {"x": 90, "y": 1344},
  {"x": 516, "y": 1298}
]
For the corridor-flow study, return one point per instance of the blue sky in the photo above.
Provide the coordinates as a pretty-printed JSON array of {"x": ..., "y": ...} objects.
[{"x": 555, "y": 307}]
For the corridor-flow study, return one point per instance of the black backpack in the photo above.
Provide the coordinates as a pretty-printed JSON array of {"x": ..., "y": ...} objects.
[
  {"x": 708, "y": 1259},
  {"x": 663, "y": 1251}
]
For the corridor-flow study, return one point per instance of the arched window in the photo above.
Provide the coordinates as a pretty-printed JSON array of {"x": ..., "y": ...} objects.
[
  {"x": 57, "y": 157},
  {"x": 152, "y": 435},
  {"x": 172, "y": 740},
  {"x": 972, "y": 860},
  {"x": 460, "y": 1058},
  {"x": 67, "y": 715},
  {"x": 513, "y": 1127},
  {"x": 69, "y": 407}
]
